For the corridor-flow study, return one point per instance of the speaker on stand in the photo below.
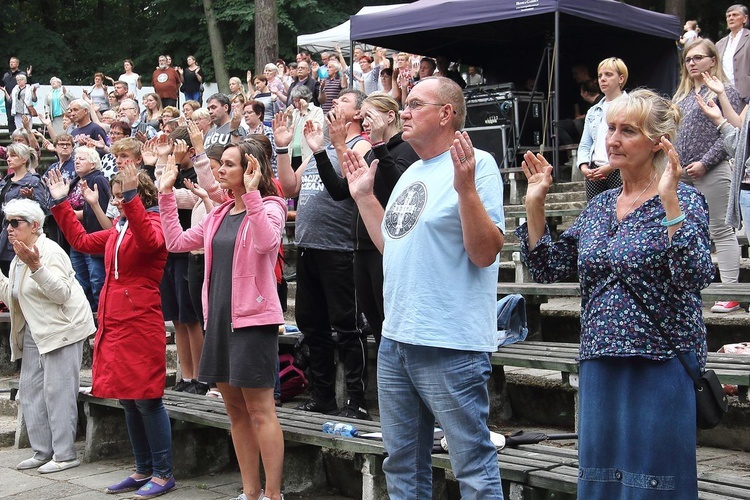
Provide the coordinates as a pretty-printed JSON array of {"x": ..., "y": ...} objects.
[{"x": 491, "y": 121}]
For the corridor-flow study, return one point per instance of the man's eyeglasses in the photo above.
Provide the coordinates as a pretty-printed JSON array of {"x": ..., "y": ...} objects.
[
  {"x": 125, "y": 109},
  {"x": 696, "y": 58},
  {"x": 65, "y": 144},
  {"x": 12, "y": 223},
  {"x": 416, "y": 105}
]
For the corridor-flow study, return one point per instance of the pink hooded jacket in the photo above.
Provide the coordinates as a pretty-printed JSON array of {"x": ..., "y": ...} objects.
[{"x": 255, "y": 300}]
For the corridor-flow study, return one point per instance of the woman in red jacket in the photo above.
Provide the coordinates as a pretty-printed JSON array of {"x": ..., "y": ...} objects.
[
  {"x": 129, "y": 362},
  {"x": 241, "y": 239}
]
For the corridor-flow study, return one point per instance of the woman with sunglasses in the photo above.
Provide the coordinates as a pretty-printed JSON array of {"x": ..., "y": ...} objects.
[
  {"x": 129, "y": 363},
  {"x": 241, "y": 307},
  {"x": 701, "y": 149},
  {"x": 49, "y": 322}
]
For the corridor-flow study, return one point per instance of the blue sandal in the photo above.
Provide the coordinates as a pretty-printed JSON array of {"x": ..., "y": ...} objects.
[
  {"x": 128, "y": 484},
  {"x": 152, "y": 489}
]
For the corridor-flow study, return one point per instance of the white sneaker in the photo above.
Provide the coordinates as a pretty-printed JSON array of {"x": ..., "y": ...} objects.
[
  {"x": 53, "y": 466},
  {"x": 31, "y": 463}
]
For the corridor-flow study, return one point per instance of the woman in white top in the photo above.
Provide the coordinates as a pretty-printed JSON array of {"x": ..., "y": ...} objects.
[
  {"x": 131, "y": 78},
  {"x": 593, "y": 159}
]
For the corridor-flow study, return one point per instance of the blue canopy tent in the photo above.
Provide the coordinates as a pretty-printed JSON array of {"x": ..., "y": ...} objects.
[{"x": 512, "y": 39}]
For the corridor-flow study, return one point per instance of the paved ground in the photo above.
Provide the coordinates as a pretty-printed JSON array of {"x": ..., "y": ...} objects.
[{"x": 89, "y": 481}]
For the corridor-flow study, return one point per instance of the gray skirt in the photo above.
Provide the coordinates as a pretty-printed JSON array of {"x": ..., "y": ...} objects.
[{"x": 245, "y": 357}]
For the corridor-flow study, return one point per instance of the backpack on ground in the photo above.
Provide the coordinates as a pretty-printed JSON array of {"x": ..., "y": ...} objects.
[{"x": 293, "y": 380}]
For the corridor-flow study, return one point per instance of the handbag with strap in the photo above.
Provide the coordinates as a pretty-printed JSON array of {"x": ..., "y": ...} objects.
[
  {"x": 711, "y": 403},
  {"x": 32, "y": 110}
]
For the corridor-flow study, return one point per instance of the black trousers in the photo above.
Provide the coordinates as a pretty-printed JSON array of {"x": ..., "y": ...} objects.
[
  {"x": 196, "y": 266},
  {"x": 11, "y": 120},
  {"x": 368, "y": 282},
  {"x": 326, "y": 302}
]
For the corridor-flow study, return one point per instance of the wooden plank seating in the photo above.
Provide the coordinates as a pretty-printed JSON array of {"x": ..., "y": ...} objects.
[
  {"x": 558, "y": 356},
  {"x": 714, "y": 292}
]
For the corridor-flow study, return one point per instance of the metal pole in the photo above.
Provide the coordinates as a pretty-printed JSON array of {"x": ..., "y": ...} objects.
[{"x": 555, "y": 105}]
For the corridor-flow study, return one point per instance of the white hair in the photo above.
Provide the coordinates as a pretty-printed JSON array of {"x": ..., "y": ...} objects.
[
  {"x": 271, "y": 67},
  {"x": 91, "y": 155},
  {"x": 26, "y": 209},
  {"x": 55, "y": 79}
]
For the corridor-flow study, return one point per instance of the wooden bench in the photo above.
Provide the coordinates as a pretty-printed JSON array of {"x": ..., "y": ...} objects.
[
  {"x": 526, "y": 469},
  {"x": 563, "y": 357},
  {"x": 537, "y": 294}
]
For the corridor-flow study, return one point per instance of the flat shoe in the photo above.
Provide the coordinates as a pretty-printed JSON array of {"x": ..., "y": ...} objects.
[
  {"x": 128, "y": 484},
  {"x": 53, "y": 466},
  {"x": 31, "y": 463},
  {"x": 152, "y": 489}
]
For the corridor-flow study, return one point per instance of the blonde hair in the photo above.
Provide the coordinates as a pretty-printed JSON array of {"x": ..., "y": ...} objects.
[
  {"x": 172, "y": 110},
  {"x": 200, "y": 113},
  {"x": 385, "y": 103},
  {"x": 617, "y": 65},
  {"x": 126, "y": 144},
  {"x": 653, "y": 115},
  {"x": 686, "y": 86}
]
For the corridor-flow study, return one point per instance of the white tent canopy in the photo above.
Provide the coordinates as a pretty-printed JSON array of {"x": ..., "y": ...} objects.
[{"x": 338, "y": 35}]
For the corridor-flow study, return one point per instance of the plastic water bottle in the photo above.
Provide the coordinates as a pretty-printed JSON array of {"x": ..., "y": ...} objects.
[{"x": 340, "y": 429}]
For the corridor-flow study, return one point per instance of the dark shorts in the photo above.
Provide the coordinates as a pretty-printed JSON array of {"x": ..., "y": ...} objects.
[{"x": 175, "y": 294}]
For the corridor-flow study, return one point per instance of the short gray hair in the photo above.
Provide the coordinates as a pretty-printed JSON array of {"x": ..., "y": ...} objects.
[
  {"x": 55, "y": 79},
  {"x": 91, "y": 155},
  {"x": 132, "y": 102},
  {"x": 82, "y": 103},
  {"x": 271, "y": 67},
  {"x": 737, "y": 6},
  {"x": 26, "y": 209},
  {"x": 302, "y": 92}
]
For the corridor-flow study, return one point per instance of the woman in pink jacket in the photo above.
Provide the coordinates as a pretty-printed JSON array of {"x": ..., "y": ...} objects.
[{"x": 241, "y": 240}]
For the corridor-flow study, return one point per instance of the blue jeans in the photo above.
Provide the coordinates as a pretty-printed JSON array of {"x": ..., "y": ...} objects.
[
  {"x": 745, "y": 210},
  {"x": 150, "y": 435},
  {"x": 416, "y": 386},
  {"x": 193, "y": 96},
  {"x": 90, "y": 274}
]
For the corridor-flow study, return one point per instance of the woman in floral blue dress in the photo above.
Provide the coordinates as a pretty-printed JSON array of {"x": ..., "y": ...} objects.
[{"x": 637, "y": 422}]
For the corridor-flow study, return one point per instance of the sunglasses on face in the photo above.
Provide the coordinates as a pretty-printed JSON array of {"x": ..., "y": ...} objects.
[{"x": 12, "y": 223}]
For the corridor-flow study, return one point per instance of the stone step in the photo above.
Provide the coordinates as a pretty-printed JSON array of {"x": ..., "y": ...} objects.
[
  {"x": 566, "y": 197},
  {"x": 565, "y": 187},
  {"x": 560, "y": 322}
]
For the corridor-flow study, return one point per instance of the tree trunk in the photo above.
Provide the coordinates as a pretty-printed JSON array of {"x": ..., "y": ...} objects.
[
  {"x": 266, "y": 34},
  {"x": 677, "y": 8},
  {"x": 217, "y": 47}
]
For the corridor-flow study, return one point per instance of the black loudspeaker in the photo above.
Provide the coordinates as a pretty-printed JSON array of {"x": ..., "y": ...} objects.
[
  {"x": 489, "y": 109},
  {"x": 530, "y": 119},
  {"x": 495, "y": 140}
]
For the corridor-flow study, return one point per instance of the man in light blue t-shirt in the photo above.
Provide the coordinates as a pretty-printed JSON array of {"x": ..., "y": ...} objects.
[{"x": 440, "y": 235}]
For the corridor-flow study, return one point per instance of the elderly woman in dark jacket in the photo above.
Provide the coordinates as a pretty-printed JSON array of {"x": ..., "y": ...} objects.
[{"x": 23, "y": 181}]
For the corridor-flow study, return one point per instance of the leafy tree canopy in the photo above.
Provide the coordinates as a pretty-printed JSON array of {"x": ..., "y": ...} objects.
[{"x": 73, "y": 39}]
